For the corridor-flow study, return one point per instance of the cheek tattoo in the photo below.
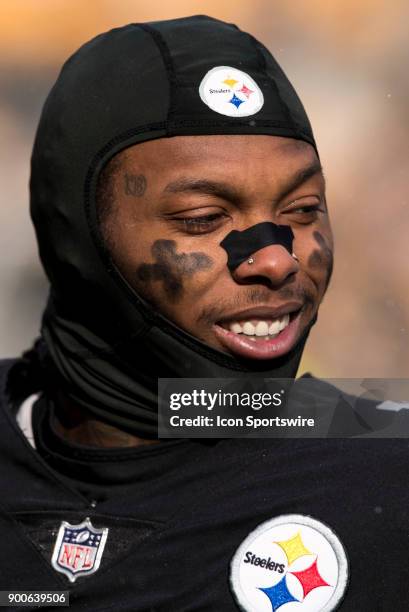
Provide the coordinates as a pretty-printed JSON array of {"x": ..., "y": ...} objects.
[
  {"x": 171, "y": 267},
  {"x": 322, "y": 257},
  {"x": 134, "y": 184}
]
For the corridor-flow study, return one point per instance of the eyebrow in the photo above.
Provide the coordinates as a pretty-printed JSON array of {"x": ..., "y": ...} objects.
[
  {"x": 301, "y": 177},
  {"x": 215, "y": 188},
  {"x": 230, "y": 193}
]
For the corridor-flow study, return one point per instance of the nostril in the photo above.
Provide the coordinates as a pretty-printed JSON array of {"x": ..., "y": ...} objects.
[{"x": 271, "y": 267}]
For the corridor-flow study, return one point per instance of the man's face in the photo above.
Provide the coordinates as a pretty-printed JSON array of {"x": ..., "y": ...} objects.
[{"x": 176, "y": 199}]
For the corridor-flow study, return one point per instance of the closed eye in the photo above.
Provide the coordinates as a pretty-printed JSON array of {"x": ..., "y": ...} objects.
[
  {"x": 305, "y": 214},
  {"x": 200, "y": 225}
]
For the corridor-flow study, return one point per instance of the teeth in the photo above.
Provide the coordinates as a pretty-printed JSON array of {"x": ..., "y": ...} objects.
[
  {"x": 274, "y": 327},
  {"x": 249, "y": 329},
  {"x": 284, "y": 321},
  {"x": 262, "y": 328},
  {"x": 267, "y": 329}
]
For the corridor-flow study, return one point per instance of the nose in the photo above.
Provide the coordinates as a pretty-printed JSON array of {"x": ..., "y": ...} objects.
[{"x": 273, "y": 263}]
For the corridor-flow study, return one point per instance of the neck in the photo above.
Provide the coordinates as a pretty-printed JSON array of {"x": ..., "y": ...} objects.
[{"x": 73, "y": 424}]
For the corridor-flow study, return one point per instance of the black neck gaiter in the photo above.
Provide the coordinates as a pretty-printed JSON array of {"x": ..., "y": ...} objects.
[
  {"x": 130, "y": 85},
  {"x": 119, "y": 384}
]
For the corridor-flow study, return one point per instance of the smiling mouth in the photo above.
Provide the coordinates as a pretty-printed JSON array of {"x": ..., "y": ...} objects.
[
  {"x": 260, "y": 333},
  {"x": 259, "y": 328}
]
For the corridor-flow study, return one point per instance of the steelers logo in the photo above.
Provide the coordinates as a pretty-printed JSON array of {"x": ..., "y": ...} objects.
[
  {"x": 231, "y": 92},
  {"x": 291, "y": 563}
]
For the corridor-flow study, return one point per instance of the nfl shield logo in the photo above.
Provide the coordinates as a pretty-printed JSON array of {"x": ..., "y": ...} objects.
[{"x": 78, "y": 549}]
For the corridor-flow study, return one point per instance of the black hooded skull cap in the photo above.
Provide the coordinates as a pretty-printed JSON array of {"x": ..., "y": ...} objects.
[{"x": 132, "y": 84}]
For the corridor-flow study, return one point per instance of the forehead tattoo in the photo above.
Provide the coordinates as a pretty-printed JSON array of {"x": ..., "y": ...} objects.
[
  {"x": 171, "y": 268},
  {"x": 134, "y": 185}
]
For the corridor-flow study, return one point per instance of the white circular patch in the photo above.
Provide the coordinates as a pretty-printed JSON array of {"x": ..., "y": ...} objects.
[
  {"x": 231, "y": 92},
  {"x": 291, "y": 563}
]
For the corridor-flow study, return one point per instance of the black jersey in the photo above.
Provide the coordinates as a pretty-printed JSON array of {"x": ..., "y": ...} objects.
[{"x": 176, "y": 513}]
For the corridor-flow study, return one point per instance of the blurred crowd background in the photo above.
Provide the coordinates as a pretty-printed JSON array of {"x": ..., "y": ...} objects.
[{"x": 348, "y": 61}]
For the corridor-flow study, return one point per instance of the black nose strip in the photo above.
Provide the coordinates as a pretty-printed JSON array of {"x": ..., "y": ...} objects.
[{"x": 239, "y": 246}]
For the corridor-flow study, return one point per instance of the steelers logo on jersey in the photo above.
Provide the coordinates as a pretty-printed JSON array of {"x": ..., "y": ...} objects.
[{"x": 291, "y": 563}]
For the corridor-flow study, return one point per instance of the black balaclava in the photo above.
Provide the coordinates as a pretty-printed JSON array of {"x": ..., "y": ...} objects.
[{"x": 189, "y": 76}]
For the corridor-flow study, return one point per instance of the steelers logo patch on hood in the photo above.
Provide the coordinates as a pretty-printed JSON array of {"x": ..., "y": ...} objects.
[{"x": 231, "y": 92}]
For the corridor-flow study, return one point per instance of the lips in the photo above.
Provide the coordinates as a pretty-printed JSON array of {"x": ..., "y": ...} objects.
[{"x": 260, "y": 333}]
